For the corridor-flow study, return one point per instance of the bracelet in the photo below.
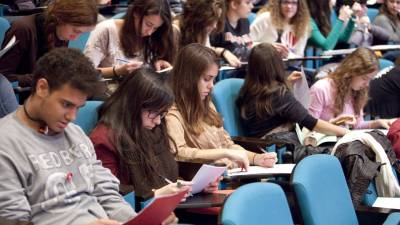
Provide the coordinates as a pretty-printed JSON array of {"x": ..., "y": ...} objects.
[
  {"x": 254, "y": 156},
  {"x": 115, "y": 73},
  {"x": 222, "y": 53}
]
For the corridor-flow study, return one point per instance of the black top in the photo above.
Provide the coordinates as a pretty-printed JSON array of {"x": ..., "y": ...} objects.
[
  {"x": 237, "y": 40},
  {"x": 384, "y": 95},
  {"x": 286, "y": 109}
]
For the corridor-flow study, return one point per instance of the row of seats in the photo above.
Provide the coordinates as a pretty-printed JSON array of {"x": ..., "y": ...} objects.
[{"x": 321, "y": 192}]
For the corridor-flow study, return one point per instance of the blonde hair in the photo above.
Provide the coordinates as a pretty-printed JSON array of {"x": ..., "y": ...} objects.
[
  {"x": 300, "y": 21},
  {"x": 359, "y": 63}
]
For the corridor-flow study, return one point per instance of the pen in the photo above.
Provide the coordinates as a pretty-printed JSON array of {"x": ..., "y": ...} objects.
[
  {"x": 123, "y": 60},
  {"x": 178, "y": 184}
]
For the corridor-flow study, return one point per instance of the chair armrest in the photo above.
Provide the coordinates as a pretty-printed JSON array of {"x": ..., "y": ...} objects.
[
  {"x": 366, "y": 213},
  {"x": 254, "y": 144}
]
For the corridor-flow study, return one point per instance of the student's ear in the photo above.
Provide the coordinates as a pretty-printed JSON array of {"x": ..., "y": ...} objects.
[
  {"x": 233, "y": 5},
  {"x": 42, "y": 88}
]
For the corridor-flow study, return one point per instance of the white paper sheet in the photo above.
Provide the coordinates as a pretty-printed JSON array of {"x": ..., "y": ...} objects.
[
  {"x": 301, "y": 91},
  {"x": 258, "y": 170},
  {"x": 205, "y": 176},
  {"x": 391, "y": 203}
]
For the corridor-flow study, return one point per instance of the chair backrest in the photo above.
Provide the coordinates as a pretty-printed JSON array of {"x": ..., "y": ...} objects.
[
  {"x": 80, "y": 42},
  {"x": 119, "y": 15},
  {"x": 224, "y": 97},
  {"x": 322, "y": 191},
  {"x": 87, "y": 116},
  {"x": 372, "y": 13},
  {"x": 383, "y": 63},
  {"x": 257, "y": 204},
  {"x": 4, "y": 25}
]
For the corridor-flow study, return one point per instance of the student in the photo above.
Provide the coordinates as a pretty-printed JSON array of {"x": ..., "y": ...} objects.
[
  {"x": 144, "y": 36},
  {"x": 344, "y": 93},
  {"x": 131, "y": 137},
  {"x": 266, "y": 103},
  {"x": 62, "y": 21},
  {"x": 384, "y": 95},
  {"x": 285, "y": 24},
  {"x": 323, "y": 34},
  {"x": 50, "y": 174},
  {"x": 8, "y": 101},
  {"x": 235, "y": 36},
  {"x": 201, "y": 18},
  {"x": 193, "y": 122},
  {"x": 389, "y": 18}
]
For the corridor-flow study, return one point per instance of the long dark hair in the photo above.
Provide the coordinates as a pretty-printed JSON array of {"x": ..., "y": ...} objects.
[
  {"x": 73, "y": 12},
  {"x": 196, "y": 16},
  {"x": 121, "y": 113},
  {"x": 265, "y": 79},
  {"x": 160, "y": 44},
  {"x": 395, "y": 19},
  {"x": 320, "y": 11},
  {"x": 191, "y": 63}
]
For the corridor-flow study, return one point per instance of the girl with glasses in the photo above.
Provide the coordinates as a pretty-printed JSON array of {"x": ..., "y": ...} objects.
[
  {"x": 193, "y": 122},
  {"x": 285, "y": 24}
]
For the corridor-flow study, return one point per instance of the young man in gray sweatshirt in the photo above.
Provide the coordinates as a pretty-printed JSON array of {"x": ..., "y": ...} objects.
[{"x": 49, "y": 171}]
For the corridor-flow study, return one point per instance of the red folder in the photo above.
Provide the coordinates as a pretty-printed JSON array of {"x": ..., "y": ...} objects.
[{"x": 158, "y": 210}]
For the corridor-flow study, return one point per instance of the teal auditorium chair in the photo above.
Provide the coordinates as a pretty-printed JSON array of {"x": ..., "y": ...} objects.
[
  {"x": 224, "y": 97},
  {"x": 322, "y": 193},
  {"x": 4, "y": 25},
  {"x": 383, "y": 63},
  {"x": 257, "y": 204},
  {"x": 87, "y": 116},
  {"x": 119, "y": 15},
  {"x": 80, "y": 42},
  {"x": 372, "y": 13}
]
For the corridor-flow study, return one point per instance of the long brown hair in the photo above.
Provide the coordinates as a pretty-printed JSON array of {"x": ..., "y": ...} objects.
[
  {"x": 359, "y": 63},
  {"x": 122, "y": 114},
  {"x": 300, "y": 21},
  {"x": 73, "y": 12},
  {"x": 321, "y": 13},
  {"x": 265, "y": 78},
  {"x": 395, "y": 19},
  {"x": 196, "y": 16},
  {"x": 160, "y": 44},
  {"x": 191, "y": 63}
]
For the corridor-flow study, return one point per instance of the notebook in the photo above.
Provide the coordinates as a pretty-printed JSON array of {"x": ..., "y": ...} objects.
[{"x": 158, "y": 210}]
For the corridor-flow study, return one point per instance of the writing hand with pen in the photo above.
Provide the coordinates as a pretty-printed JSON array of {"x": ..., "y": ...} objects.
[
  {"x": 127, "y": 66},
  {"x": 174, "y": 187}
]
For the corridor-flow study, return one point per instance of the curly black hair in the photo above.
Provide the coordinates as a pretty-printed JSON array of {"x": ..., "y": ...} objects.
[{"x": 67, "y": 66}]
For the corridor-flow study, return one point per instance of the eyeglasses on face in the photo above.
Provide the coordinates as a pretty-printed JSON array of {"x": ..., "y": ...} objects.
[
  {"x": 288, "y": 2},
  {"x": 154, "y": 114}
]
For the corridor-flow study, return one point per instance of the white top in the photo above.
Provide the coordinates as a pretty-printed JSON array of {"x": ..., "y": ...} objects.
[
  {"x": 104, "y": 47},
  {"x": 263, "y": 30}
]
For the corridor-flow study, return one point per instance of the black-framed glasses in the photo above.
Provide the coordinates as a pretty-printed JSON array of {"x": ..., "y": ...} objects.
[{"x": 154, "y": 114}]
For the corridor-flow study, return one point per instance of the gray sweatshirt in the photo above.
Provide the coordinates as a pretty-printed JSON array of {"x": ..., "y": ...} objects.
[{"x": 55, "y": 179}]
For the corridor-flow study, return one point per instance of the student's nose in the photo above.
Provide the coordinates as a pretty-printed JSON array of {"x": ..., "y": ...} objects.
[{"x": 71, "y": 115}]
